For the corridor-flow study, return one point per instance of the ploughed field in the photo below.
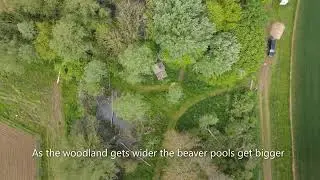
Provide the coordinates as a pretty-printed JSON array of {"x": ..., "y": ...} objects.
[
  {"x": 16, "y": 148},
  {"x": 306, "y": 91}
]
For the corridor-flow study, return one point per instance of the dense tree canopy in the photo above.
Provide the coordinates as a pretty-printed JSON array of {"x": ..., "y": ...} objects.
[
  {"x": 84, "y": 136},
  {"x": 175, "y": 93},
  {"x": 92, "y": 44},
  {"x": 224, "y": 52},
  {"x": 94, "y": 72},
  {"x": 208, "y": 120},
  {"x": 125, "y": 30},
  {"x": 131, "y": 107},
  {"x": 181, "y": 29},
  {"x": 226, "y": 14},
  {"x": 27, "y": 30},
  {"x": 68, "y": 39},
  {"x": 137, "y": 62},
  {"x": 238, "y": 134},
  {"x": 46, "y": 8}
]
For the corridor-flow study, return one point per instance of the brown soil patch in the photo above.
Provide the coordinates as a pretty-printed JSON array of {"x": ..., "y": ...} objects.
[
  {"x": 264, "y": 82},
  {"x": 16, "y": 148}
]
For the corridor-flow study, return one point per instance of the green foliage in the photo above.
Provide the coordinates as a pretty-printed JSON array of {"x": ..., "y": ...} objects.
[
  {"x": 131, "y": 107},
  {"x": 125, "y": 31},
  {"x": 240, "y": 135},
  {"x": 71, "y": 104},
  {"x": 224, "y": 52},
  {"x": 70, "y": 70},
  {"x": 226, "y": 14},
  {"x": 234, "y": 126},
  {"x": 208, "y": 120},
  {"x": 74, "y": 32},
  {"x": 9, "y": 61},
  {"x": 175, "y": 93},
  {"x": 28, "y": 6},
  {"x": 251, "y": 35},
  {"x": 84, "y": 136},
  {"x": 27, "y": 53},
  {"x": 137, "y": 62},
  {"x": 46, "y": 8},
  {"x": 218, "y": 104},
  {"x": 181, "y": 29},
  {"x": 88, "y": 13},
  {"x": 50, "y": 8},
  {"x": 27, "y": 30},
  {"x": 68, "y": 39},
  {"x": 94, "y": 73},
  {"x": 42, "y": 42}
]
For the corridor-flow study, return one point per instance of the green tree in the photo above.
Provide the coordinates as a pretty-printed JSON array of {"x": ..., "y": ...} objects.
[
  {"x": 226, "y": 14},
  {"x": 70, "y": 70},
  {"x": 137, "y": 62},
  {"x": 84, "y": 136},
  {"x": 27, "y": 30},
  {"x": 46, "y": 8},
  {"x": 251, "y": 35},
  {"x": 224, "y": 52},
  {"x": 243, "y": 104},
  {"x": 88, "y": 13},
  {"x": 175, "y": 93},
  {"x": 126, "y": 28},
  {"x": 131, "y": 107},
  {"x": 208, "y": 120},
  {"x": 68, "y": 39},
  {"x": 42, "y": 42},
  {"x": 181, "y": 29},
  {"x": 94, "y": 73},
  {"x": 28, "y": 6}
]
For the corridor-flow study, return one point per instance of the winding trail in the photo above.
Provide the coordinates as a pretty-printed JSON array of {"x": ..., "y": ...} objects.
[
  {"x": 264, "y": 84},
  {"x": 190, "y": 102}
]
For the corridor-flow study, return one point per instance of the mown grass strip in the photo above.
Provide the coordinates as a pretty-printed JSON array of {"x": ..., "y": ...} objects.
[{"x": 279, "y": 93}]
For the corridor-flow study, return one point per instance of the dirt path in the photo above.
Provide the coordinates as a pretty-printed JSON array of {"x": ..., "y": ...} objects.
[
  {"x": 152, "y": 88},
  {"x": 56, "y": 104},
  {"x": 189, "y": 103},
  {"x": 264, "y": 82},
  {"x": 294, "y": 165},
  {"x": 181, "y": 75},
  {"x": 56, "y": 121}
]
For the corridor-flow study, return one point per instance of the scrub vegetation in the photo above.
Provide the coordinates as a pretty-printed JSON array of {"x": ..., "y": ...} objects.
[{"x": 80, "y": 74}]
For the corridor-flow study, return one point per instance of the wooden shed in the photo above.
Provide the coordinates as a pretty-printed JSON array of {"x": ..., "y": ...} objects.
[
  {"x": 160, "y": 70},
  {"x": 277, "y": 30}
]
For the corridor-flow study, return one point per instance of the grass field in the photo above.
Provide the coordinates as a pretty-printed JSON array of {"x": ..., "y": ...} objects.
[
  {"x": 25, "y": 104},
  {"x": 279, "y": 93},
  {"x": 306, "y": 90}
]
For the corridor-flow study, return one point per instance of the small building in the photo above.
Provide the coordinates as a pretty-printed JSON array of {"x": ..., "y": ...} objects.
[
  {"x": 277, "y": 30},
  {"x": 160, "y": 70}
]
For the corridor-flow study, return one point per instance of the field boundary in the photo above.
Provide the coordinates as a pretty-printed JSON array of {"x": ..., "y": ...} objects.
[
  {"x": 41, "y": 163},
  {"x": 292, "y": 57}
]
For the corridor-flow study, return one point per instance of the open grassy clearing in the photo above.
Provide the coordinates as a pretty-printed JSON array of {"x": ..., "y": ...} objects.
[
  {"x": 279, "y": 93},
  {"x": 305, "y": 91},
  {"x": 26, "y": 104}
]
